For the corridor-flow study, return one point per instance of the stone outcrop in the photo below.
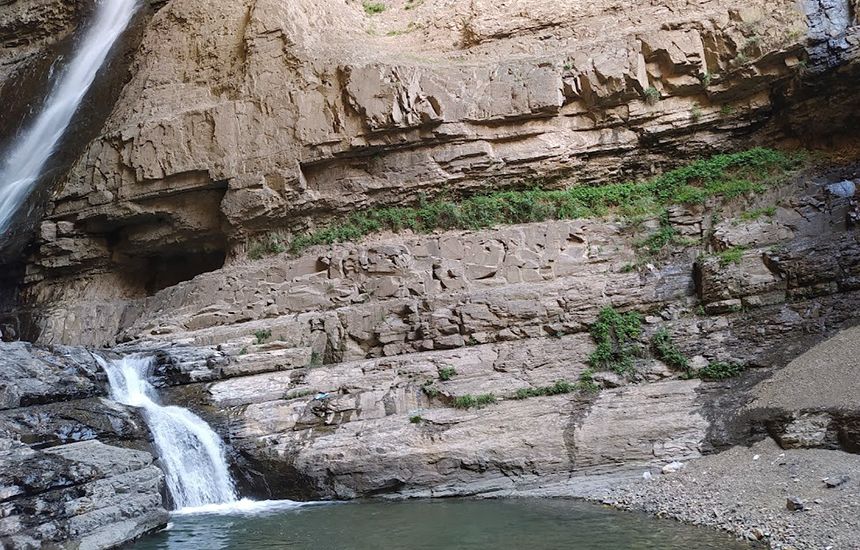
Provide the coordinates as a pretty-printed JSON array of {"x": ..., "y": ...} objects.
[
  {"x": 312, "y": 367},
  {"x": 75, "y": 469},
  {"x": 251, "y": 117}
]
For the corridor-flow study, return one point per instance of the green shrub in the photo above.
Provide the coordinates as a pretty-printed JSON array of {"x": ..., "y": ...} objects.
[
  {"x": 300, "y": 393},
  {"x": 416, "y": 419},
  {"x": 430, "y": 390},
  {"x": 560, "y": 387},
  {"x": 615, "y": 335},
  {"x": 667, "y": 352},
  {"x": 696, "y": 113},
  {"x": 262, "y": 335},
  {"x": 270, "y": 245},
  {"x": 485, "y": 399},
  {"x": 371, "y": 8},
  {"x": 652, "y": 95},
  {"x": 720, "y": 370},
  {"x": 465, "y": 401},
  {"x": 316, "y": 359},
  {"x": 446, "y": 373},
  {"x": 752, "y": 215},
  {"x": 469, "y": 401}
]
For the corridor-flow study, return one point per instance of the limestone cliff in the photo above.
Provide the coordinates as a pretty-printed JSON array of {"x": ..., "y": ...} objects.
[
  {"x": 342, "y": 371},
  {"x": 253, "y": 116}
]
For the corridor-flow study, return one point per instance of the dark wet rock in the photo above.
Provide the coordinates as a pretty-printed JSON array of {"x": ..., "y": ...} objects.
[
  {"x": 32, "y": 376},
  {"x": 60, "y": 484}
]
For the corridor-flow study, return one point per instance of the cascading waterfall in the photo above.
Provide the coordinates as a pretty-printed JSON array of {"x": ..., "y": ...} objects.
[
  {"x": 192, "y": 454},
  {"x": 23, "y": 165}
]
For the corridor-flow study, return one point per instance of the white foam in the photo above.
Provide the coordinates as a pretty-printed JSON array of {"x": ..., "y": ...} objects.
[{"x": 243, "y": 507}]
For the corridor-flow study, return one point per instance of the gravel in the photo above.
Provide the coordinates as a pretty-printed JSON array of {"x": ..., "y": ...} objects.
[{"x": 746, "y": 491}]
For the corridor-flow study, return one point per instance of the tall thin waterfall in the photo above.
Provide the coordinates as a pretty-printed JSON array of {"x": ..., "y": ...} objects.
[
  {"x": 192, "y": 454},
  {"x": 23, "y": 165}
]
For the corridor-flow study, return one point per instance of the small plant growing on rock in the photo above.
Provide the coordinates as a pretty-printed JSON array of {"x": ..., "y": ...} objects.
[
  {"x": 652, "y": 95},
  {"x": 719, "y": 370},
  {"x": 371, "y": 8},
  {"x": 485, "y": 399},
  {"x": 243, "y": 351},
  {"x": 615, "y": 335},
  {"x": 316, "y": 359},
  {"x": 430, "y": 390},
  {"x": 415, "y": 419},
  {"x": 465, "y": 401},
  {"x": 667, "y": 352},
  {"x": 726, "y": 110},
  {"x": 470, "y": 401},
  {"x": 300, "y": 393},
  {"x": 741, "y": 59},
  {"x": 731, "y": 256},
  {"x": 262, "y": 335},
  {"x": 696, "y": 113},
  {"x": 446, "y": 373},
  {"x": 270, "y": 245}
]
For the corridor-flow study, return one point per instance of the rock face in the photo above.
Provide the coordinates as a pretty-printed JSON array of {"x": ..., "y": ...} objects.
[
  {"x": 60, "y": 483},
  {"x": 425, "y": 365},
  {"x": 295, "y": 115},
  {"x": 337, "y": 374}
]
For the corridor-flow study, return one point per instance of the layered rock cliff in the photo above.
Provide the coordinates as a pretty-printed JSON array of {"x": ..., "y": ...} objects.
[
  {"x": 337, "y": 372},
  {"x": 243, "y": 119}
]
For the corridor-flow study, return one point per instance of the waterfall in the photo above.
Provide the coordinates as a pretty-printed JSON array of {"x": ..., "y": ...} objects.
[
  {"x": 192, "y": 454},
  {"x": 23, "y": 165}
]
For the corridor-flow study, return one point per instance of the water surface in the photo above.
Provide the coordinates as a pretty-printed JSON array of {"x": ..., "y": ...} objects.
[{"x": 518, "y": 524}]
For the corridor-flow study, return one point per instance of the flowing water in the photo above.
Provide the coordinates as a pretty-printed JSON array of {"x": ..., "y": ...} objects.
[
  {"x": 210, "y": 517},
  {"x": 519, "y": 524},
  {"x": 23, "y": 165},
  {"x": 191, "y": 454}
]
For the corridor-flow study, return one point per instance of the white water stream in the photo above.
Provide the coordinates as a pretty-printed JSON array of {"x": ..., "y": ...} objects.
[
  {"x": 23, "y": 165},
  {"x": 191, "y": 453}
]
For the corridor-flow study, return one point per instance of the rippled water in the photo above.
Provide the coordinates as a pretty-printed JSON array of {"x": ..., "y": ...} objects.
[{"x": 520, "y": 524}]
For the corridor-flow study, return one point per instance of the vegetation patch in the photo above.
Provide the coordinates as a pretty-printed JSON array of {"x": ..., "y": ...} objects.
[
  {"x": 300, "y": 393},
  {"x": 652, "y": 95},
  {"x": 724, "y": 176},
  {"x": 719, "y": 370},
  {"x": 371, "y": 8},
  {"x": 616, "y": 337},
  {"x": 272, "y": 244},
  {"x": 430, "y": 390},
  {"x": 730, "y": 256},
  {"x": 667, "y": 352},
  {"x": 415, "y": 419},
  {"x": 262, "y": 335},
  {"x": 753, "y": 215},
  {"x": 560, "y": 387},
  {"x": 446, "y": 373},
  {"x": 470, "y": 401}
]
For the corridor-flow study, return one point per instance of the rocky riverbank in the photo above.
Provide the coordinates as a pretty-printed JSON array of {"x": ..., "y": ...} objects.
[{"x": 798, "y": 490}]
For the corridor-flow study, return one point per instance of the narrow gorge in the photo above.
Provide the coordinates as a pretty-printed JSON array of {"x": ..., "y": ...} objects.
[{"x": 264, "y": 253}]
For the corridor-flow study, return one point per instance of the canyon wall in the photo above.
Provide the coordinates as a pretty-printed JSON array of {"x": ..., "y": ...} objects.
[
  {"x": 337, "y": 373},
  {"x": 254, "y": 117}
]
